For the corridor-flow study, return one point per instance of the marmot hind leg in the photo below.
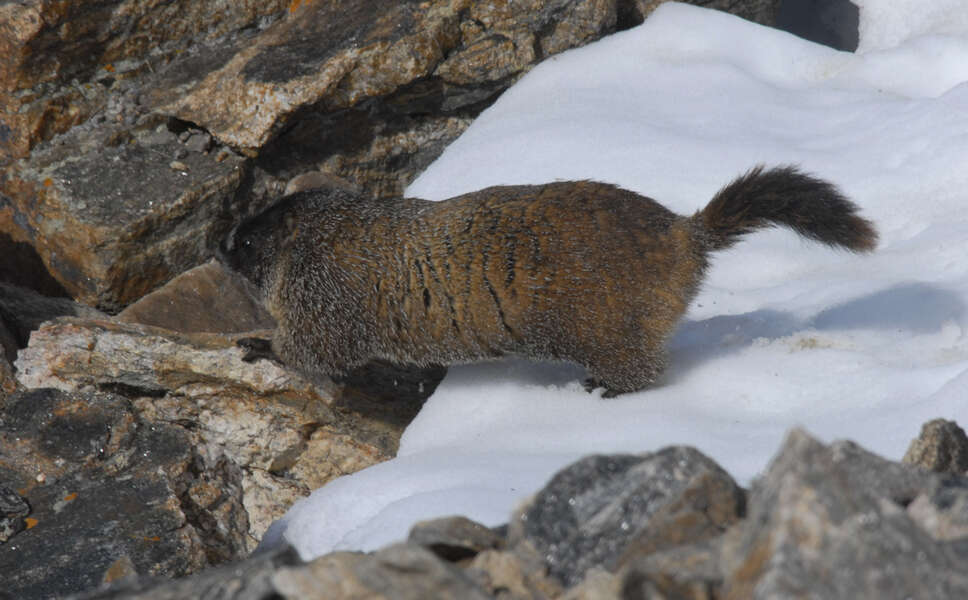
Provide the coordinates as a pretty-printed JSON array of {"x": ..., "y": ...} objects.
[{"x": 624, "y": 376}]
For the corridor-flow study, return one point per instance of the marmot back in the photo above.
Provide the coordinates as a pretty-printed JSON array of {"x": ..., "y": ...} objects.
[{"x": 578, "y": 271}]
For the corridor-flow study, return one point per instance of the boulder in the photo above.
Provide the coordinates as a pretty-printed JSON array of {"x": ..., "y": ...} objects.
[
  {"x": 603, "y": 510},
  {"x": 833, "y": 522}
]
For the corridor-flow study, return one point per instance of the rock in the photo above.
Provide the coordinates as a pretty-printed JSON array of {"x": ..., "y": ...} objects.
[
  {"x": 336, "y": 56},
  {"x": 454, "y": 538},
  {"x": 126, "y": 185},
  {"x": 65, "y": 63},
  {"x": 687, "y": 572},
  {"x": 401, "y": 571},
  {"x": 112, "y": 220},
  {"x": 832, "y": 23},
  {"x": 8, "y": 381},
  {"x": 509, "y": 576},
  {"x": 103, "y": 486},
  {"x": 942, "y": 510},
  {"x": 830, "y": 522},
  {"x": 286, "y": 435},
  {"x": 941, "y": 447},
  {"x": 250, "y": 579},
  {"x": 602, "y": 510},
  {"x": 23, "y": 310},
  {"x": 207, "y": 298},
  {"x": 13, "y": 509},
  {"x": 764, "y": 12},
  {"x": 598, "y": 584}
]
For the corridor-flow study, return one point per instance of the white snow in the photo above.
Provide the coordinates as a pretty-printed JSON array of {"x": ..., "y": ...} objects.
[{"x": 784, "y": 332}]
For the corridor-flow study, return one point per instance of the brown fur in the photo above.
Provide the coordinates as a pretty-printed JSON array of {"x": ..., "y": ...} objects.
[{"x": 578, "y": 271}]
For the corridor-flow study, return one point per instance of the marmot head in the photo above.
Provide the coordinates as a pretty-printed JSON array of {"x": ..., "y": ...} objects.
[{"x": 252, "y": 247}]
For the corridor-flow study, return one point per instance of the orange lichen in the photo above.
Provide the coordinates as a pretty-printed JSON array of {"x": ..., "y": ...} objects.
[
  {"x": 109, "y": 68},
  {"x": 48, "y": 182},
  {"x": 70, "y": 497},
  {"x": 31, "y": 522}
]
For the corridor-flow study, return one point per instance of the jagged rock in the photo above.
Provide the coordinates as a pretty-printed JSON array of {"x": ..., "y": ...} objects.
[
  {"x": 337, "y": 55},
  {"x": 830, "y": 522},
  {"x": 602, "y": 510},
  {"x": 454, "y": 538},
  {"x": 401, "y": 571},
  {"x": 288, "y": 436},
  {"x": 104, "y": 486},
  {"x": 112, "y": 220},
  {"x": 942, "y": 446},
  {"x": 207, "y": 298},
  {"x": 131, "y": 182},
  {"x": 63, "y": 62}
]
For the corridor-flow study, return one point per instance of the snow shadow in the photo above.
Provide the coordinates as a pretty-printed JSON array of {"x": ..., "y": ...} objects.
[{"x": 917, "y": 308}]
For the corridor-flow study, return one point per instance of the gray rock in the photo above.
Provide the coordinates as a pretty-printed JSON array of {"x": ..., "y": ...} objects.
[
  {"x": 942, "y": 446},
  {"x": 13, "y": 509},
  {"x": 400, "y": 572},
  {"x": 249, "y": 579},
  {"x": 454, "y": 538},
  {"x": 603, "y": 510},
  {"x": 104, "y": 488},
  {"x": 830, "y": 522},
  {"x": 764, "y": 12}
]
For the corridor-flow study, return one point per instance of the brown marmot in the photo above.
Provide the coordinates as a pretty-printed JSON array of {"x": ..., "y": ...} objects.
[{"x": 576, "y": 270}]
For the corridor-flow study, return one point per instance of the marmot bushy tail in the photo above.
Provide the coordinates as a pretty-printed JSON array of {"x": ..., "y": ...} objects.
[
  {"x": 573, "y": 270},
  {"x": 784, "y": 196}
]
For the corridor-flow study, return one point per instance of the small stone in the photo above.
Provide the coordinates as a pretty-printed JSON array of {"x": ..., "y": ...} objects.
[
  {"x": 177, "y": 165},
  {"x": 454, "y": 538},
  {"x": 942, "y": 447},
  {"x": 198, "y": 141}
]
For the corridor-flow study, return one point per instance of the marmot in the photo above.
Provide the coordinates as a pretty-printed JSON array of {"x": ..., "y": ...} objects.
[{"x": 575, "y": 270}]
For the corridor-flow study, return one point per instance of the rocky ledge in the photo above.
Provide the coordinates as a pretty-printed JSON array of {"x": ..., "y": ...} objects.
[{"x": 823, "y": 521}]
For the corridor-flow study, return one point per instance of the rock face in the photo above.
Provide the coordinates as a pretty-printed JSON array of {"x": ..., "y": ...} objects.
[
  {"x": 133, "y": 135},
  {"x": 145, "y": 130},
  {"x": 823, "y": 522}
]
